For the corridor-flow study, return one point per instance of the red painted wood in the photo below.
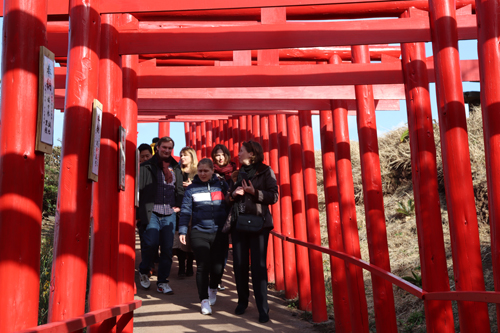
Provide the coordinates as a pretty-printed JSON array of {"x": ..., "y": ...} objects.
[
  {"x": 289, "y": 258},
  {"x": 236, "y": 141},
  {"x": 199, "y": 152},
  {"x": 488, "y": 39},
  {"x": 209, "y": 137},
  {"x": 163, "y": 129},
  {"x": 469, "y": 68},
  {"x": 222, "y": 131},
  {"x": 299, "y": 216},
  {"x": 230, "y": 140},
  {"x": 105, "y": 227},
  {"x": 318, "y": 298},
  {"x": 243, "y": 128},
  {"x": 466, "y": 253},
  {"x": 250, "y": 126},
  {"x": 79, "y": 322},
  {"x": 438, "y": 314},
  {"x": 71, "y": 250},
  {"x": 187, "y": 133},
  {"x": 203, "y": 126},
  {"x": 287, "y": 35},
  {"x": 279, "y": 278},
  {"x": 343, "y": 9},
  {"x": 383, "y": 295},
  {"x": 383, "y": 91},
  {"x": 256, "y": 128},
  {"x": 126, "y": 199},
  {"x": 264, "y": 140},
  {"x": 21, "y": 184},
  {"x": 193, "y": 136}
]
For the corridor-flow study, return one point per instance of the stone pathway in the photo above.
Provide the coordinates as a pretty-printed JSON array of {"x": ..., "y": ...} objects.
[{"x": 180, "y": 312}]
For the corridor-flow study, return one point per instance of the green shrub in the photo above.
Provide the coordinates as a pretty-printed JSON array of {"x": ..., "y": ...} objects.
[
  {"x": 46, "y": 256},
  {"x": 52, "y": 165}
]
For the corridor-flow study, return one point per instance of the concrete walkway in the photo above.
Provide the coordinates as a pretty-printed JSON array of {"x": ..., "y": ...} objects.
[{"x": 180, "y": 312}]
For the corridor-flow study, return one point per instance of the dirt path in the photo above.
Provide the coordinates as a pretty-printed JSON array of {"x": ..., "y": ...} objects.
[{"x": 180, "y": 312}]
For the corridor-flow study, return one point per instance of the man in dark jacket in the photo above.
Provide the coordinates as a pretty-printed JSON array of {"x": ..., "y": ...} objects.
[{"x": 160, "y": 199}]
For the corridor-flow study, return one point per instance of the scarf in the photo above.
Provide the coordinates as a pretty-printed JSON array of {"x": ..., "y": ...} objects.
[
  {"x": 226, "y": 170},
  {"x": 164, "y": 165}
]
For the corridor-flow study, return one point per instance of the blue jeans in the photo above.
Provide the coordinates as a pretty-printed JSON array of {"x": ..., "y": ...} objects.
[{"x": 160, "y": 231}]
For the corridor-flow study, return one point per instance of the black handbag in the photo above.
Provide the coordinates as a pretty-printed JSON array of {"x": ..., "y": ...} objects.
[{"x": 249, "y": 223}]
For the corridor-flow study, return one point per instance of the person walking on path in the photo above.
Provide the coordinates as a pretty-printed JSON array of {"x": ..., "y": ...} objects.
[
  {"x": 253, "y": 192},
  {"x": 204, "y": 205},
  {"x": 160, "y": 198}
]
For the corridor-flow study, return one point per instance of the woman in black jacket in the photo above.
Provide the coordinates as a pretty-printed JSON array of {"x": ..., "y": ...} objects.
[{"x": 253, "y": 192}]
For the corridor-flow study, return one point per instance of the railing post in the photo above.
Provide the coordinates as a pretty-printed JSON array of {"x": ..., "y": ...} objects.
[
  {"x": 289, "y": 262},
  {"x": 230, "y": 140},
  {"x": 21, "y": 183},
  {"x": 105, "y": 228},
  {"x": 74, "y": 198},
  {"x": 256, "y": 128},
  {"x": 299, "y": 217},
  {"x": 466, "y": 253},
  {"x": 312, "y": 213},
  {"x": 383, "y": 295},
  {"x": 276, "y": 209},
  {"x": 487, "y": 45},
  {"x": 126, "y": 211},
  {"x": 203, "y": 126},
  {"x": 163, "y": 129},
  {"x": 438, "y": 314},
  {"x": 243, "y": 128}
]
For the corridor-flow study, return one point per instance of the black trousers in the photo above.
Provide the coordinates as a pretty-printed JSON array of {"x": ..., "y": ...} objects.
[
  {"x": 256, "y": 243},
  {"x": 209, "y": 253}
]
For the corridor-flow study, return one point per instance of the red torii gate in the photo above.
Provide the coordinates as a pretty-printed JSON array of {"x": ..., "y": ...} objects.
[{"x": 100, "y": 40}]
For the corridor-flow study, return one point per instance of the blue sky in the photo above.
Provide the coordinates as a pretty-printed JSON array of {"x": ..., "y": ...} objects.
[{"x": 386, "y": 120}]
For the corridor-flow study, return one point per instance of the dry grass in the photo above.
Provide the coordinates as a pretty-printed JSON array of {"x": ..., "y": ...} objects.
[{"x": 401, "y": 230}]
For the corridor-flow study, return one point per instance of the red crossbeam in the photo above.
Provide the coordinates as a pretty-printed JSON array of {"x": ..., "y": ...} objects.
[{"x": 91, "y": 318}]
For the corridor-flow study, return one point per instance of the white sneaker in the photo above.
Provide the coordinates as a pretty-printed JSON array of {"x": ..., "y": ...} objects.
[
  {"x": 205, "y": 307},
  {"x": 145, "y": 283},
  {"x": 221, "y": 287},
  {"x": 212, "y": 295},
  {"x": 164, "y": 288}
]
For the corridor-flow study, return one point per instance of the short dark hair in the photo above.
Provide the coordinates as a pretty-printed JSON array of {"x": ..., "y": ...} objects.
[
  {"x": 224, "y": 149},
  {"x": 165, "y": 139},
  {"x": 144, "y": 146},
  {"x": 155, "y": 140},
  {"x": 206, "y": 161},
  {"x": 255, "y": 148}
]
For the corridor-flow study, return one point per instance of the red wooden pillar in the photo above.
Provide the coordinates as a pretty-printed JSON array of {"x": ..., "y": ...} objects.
[
  {"x": 276, "y": 209},
  {"x": 299, "y": 216},
  {"x": 215, "y": 134},
  {"x": 193, "y": 135},
  {"x": 203, "y": 126},
  {"x": 355, "y": 284},
  {"x": 438, "y": 314},
  {"x": 187, "y": 133},
  {"x": 249, "y": 128},
  {"x": 467, "y": 264},
  {"x": 222, "y": 132},
  {"x": 243, "y": 128},
  {"x": 488, "y": 41},
  {"x": 209, "y": 137},
  {"x": 236, "y": 141},
  {"x": 383, "y": 295},
  {"x": 74, "y": 198},
  {"x": 105, "y": 229},
  {"x": 229, "y": 137},
  {"x": 312, "y": 213},
  {"x": 163, "y": 129},
  {"x": 289, "y": 262},
  {"x": 126, "y": 199},
  {"x": 199, "y": 152},
  {"x": 349, "y": 300},
  {"x": 256, "y": 128},
  {"x": 265, "y": 147},
  {"x": 21, "y": 184}
]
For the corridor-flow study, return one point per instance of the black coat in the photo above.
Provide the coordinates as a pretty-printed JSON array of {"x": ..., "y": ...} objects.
[{"x": 148, "y": 185}]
